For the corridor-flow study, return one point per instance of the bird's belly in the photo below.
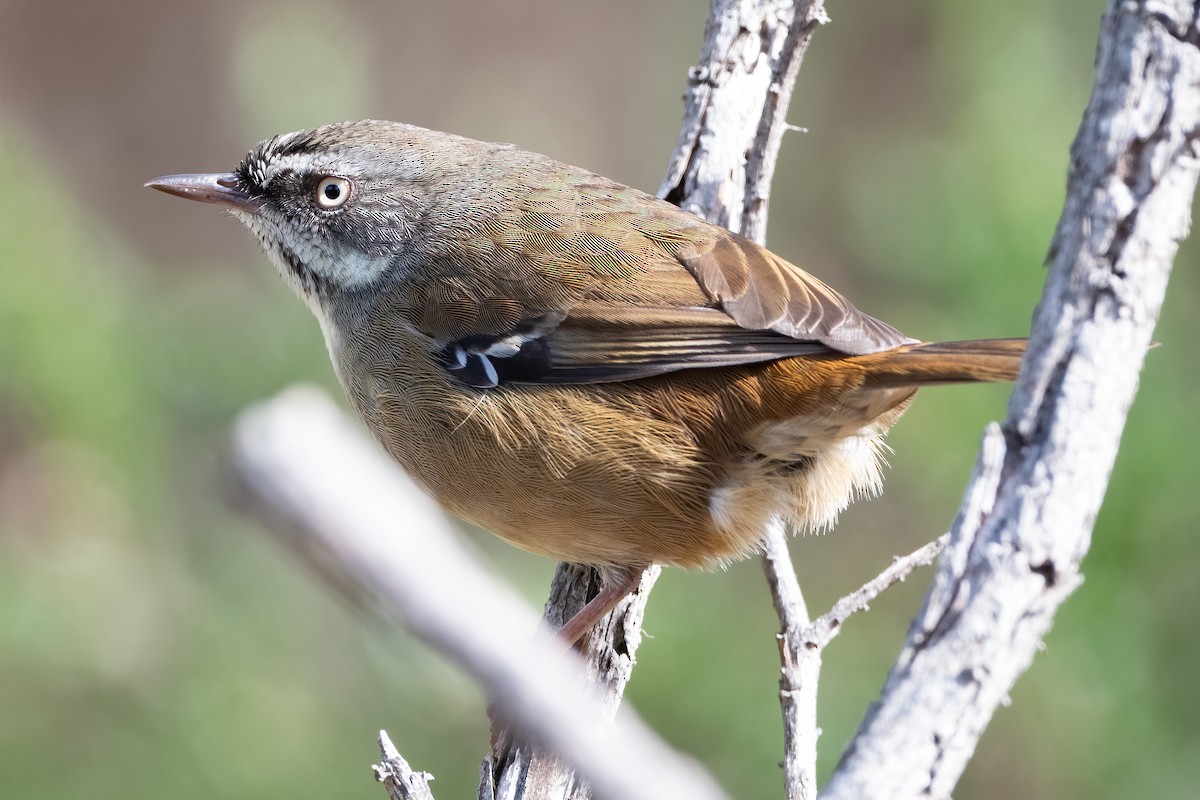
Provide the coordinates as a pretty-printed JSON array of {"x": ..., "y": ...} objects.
[
  {"x": 616, "y": 474},
  {"x": 578, "y": 481}
]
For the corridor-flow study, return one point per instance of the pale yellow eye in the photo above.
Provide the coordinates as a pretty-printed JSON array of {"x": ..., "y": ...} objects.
[{"x": 333, "y": 192}]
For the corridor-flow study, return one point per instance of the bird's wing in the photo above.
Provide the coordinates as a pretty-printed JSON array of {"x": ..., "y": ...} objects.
[{"x": 595, "y": 282}]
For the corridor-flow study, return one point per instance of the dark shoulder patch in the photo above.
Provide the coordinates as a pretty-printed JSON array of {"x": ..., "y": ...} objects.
[{"x": 484, "y": 362}]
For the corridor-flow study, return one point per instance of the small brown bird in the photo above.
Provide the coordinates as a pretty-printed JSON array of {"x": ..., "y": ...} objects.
[{"x": 589, "y": 372}]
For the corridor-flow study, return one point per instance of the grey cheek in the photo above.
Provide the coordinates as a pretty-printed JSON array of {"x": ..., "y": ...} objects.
[{"x": 352, "y": 268}]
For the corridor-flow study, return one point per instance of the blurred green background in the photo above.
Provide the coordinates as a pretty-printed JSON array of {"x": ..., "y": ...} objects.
[{"x": 154, "y": 643}]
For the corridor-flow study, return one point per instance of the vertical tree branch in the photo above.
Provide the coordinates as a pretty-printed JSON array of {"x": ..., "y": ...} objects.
[
  {"x": 515, "y": 766},
  {"x": 800, "y": 669},
  {"x": 735, "y": 110}
]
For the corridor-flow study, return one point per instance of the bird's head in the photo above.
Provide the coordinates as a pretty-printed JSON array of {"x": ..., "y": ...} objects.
[{"x": 335, "y": 208}]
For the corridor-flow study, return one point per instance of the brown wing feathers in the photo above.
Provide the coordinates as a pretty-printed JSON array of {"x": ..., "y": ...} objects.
[
  {"x": 579, "y": 289},
  {"x": 759, "y": 290}
]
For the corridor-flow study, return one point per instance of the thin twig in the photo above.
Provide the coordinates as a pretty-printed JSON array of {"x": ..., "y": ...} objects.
[
  {"x": 397, "y": 777},
  {"x": 800, "y": 668},
  {"x": 786, "y": 595},
  {"x": 802, "y": 644},
  {"x": 827, "y": 626}
]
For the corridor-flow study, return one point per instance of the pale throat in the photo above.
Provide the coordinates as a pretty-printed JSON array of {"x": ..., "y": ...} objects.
[{"x": 343, "y": 267}]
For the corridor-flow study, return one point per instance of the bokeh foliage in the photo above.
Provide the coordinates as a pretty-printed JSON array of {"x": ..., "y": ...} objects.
[{"x": 153, "y": 642}]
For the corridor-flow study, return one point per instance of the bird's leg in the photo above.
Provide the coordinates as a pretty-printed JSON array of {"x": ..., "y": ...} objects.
[{"x": 618, "y": 582}]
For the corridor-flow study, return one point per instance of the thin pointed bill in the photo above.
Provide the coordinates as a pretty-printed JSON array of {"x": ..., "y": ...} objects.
[{"x": 219, "y": 188}]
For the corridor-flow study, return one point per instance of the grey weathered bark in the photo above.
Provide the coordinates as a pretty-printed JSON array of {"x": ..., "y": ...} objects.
[
  {"x": 517, "y": 768},
  {"x": 735, "y": 110},
  {"x": 1027, "y": 517},
  {"x": 802, "y": 643},
  {"x": 399, "y": 779}
]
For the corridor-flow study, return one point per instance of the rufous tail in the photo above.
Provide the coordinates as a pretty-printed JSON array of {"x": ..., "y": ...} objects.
[{"x": 921, "y": 364}]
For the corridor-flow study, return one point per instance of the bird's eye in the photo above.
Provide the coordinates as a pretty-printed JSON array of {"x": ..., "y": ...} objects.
[{"x": 333, "y": 192}]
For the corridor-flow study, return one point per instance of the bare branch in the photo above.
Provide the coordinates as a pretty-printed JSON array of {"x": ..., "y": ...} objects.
[
  {"x": 734, "y": 122},
  {"x": 827, "y": 626},
  {"x": 800, "y": 669},
  {"x": 1026, "y": 522},
  {"x": 735, "y": 110},
  {"x": 608, "y": 653},
  {"x": 397, "y": 777},
  {"x": 369, "y": 531},
  {"x": 802, "y": 645}
]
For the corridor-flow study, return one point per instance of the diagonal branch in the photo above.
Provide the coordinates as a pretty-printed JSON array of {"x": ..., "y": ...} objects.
[
  {"x": 372, "y": 534},
  {"x": 829, "y": 624},
  {"x": 1026, "y": 521}
]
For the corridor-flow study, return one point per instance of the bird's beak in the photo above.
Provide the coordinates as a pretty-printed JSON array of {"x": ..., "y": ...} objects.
[{"x": 221, "y": 188}]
